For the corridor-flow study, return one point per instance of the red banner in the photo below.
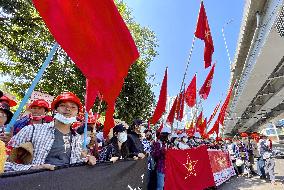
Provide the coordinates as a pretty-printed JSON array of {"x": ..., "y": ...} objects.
[
  {"x": 197, "y": 168},
  {"x": 188, "y": 169},
  {"x": 221, "y": 166}
]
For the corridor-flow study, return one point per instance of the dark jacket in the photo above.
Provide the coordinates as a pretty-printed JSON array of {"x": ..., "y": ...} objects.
[
  {"x": 112, "y": 150},
  {"x": 134, "y": 143}
]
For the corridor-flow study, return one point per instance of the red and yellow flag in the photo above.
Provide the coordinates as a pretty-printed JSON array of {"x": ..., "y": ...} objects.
[{"x": 203, "y": 32}]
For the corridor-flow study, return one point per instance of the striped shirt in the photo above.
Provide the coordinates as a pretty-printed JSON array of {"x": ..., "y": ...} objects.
[{"x": 42, "y": 138}]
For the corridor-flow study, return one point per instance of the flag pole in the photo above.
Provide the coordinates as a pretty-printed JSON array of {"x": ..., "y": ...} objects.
[
  {"x": 225, "y": 41},
  {"x": 188, "y": 61},
  {"x": 85, "y": 130},
  {"x": 33, "y": 85}
]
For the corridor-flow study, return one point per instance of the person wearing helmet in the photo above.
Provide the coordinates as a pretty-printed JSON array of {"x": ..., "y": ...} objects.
[
  {"x": 183, "y": 143},
  {"x": 8, "y": 101},
  {"x": 54, "y": 143},
  {"x": 38, "y": 108}
]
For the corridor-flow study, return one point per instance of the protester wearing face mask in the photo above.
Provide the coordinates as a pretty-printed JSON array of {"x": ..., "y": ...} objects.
[
  {"x": 159, "y": 155},
  {"x": 174, "y": 141},
  {"x": 55, "y": 143},
  {"x": 117, "y": 147},
  {"x": 134, "y": 135},
  {"x": 38, "y": 115},
  {"x": 183, "y": 143},
  {"x": 147, "y": 141}
]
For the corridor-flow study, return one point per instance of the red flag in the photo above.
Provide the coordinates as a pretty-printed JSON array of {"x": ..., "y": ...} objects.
[
  {"x": 215, "y": 128},
  {"x": 214, "y": 113},
  {"x": 203, "y": 32},
  {"x": 161, "y": 105},
  {"x": 190, "y": 131},
  {"x": 188, "y": 169},
  {"x": 202, "y": 127},
  {"x": 225, "y": 106},
  {"x": 161, "y": 127},
  {"x": 190, "y": 94},
  {"x": 199, "y": 121},
  {"x": 180, "y": 107},
  {"x": 148, "y": 126},
  {"x": 171, "y": 116},
  {"x": 206, "y": 87},
  {"x": 94, "y": 35}
]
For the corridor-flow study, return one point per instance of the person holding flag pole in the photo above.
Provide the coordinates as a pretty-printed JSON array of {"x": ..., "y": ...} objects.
[{"x": 55, "y": 143}]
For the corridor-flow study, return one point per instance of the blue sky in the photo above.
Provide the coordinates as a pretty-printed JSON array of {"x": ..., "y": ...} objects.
[{"x": 174, "y": 22}]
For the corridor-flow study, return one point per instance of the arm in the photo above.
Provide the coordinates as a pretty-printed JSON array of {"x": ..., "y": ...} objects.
[
  {"x": 9, "y": 166},
  {"x": 23, "y": 136}
]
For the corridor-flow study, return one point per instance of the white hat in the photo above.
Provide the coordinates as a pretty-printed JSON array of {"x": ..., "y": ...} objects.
[{"x": 166, "y": 130}]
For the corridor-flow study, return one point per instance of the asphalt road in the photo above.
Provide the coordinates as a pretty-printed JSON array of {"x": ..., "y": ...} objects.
[{"x": 255, "y": 183}]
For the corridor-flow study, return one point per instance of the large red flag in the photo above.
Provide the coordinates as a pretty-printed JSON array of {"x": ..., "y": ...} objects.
[
  {"x": 214, "y": 113},
  {"x": 203, "y": 32},
  {"x": 225, "y": 106},
  {"x": 206, "y": 87},
  {"x": 94, "y": 35},
  {"x": 190, "y": 94},
  {"x": 161, "y": 105},
  {"x": 171, "y": 116},
  {"x": 188, "y": 169}
]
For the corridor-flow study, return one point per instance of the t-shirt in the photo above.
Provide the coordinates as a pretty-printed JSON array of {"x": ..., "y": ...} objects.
[{"x": 60, "y": 151}]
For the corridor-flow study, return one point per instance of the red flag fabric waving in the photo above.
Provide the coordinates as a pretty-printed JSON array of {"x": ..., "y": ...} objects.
[
  {"x": 160, "y": 128},
  {"x": 161, "y": 105},
  {"x": 202, "y": 127},
  {"x": 171, "y": 116},
  {"x": 199, "y": 121},
  {"x": 215, "y": 128},
  {"x": 225, "y": 106},
  {"x": 188, "y": 169},
  {"x": 190, "y": 94},
  {"x": 94, "y": 35},
  {"x": 206, "y": 87},
  {"x": 203, "y": 32},
  {"x": 180, "y": 107},
  {"x": 214, "y": 113}
]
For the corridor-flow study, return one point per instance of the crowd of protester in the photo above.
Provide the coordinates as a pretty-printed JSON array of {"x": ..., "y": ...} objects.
[{"x": 41, "y": 141}]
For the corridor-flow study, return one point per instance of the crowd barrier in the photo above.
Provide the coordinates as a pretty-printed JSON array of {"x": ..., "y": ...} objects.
[{"x": 104, "y": 176}]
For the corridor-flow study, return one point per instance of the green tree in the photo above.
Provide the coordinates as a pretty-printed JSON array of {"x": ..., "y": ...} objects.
[{"x": 25, "y": 42}]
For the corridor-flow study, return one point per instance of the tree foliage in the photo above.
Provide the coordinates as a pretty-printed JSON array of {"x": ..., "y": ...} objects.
[{"x": 25, "y": 42}]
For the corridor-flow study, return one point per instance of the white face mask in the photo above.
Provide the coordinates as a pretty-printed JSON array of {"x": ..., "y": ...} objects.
[
  {"x": 184, "y": 139},
  {"x": 88, "y": 140},
  {"x": 122, "y": 137},
  {"x": 64, "y": 119},
  {"x": 142, "y": 129},
  {"x": 183, "y": 146}
]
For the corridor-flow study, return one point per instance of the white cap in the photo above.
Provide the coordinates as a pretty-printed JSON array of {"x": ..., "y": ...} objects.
[{"x": 166, "y": 130}]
